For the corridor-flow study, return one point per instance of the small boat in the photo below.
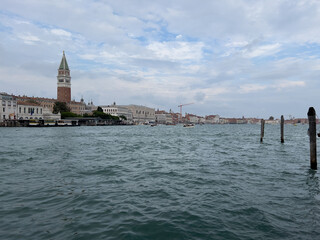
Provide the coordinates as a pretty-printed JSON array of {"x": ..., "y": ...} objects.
[
  {"x": 34, "y": 122},
  {"x": 153, "y": 125},
  {"x": 188, "y": 125}
]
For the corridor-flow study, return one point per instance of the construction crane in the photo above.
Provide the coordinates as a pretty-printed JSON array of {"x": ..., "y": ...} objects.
[{"x": 181, "y": 109}]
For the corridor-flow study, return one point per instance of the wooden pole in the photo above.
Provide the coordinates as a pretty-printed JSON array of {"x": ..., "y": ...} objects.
[
  {"x": 262, "y": 130},
  {"x": 313, "y": 137},
  {"x": 282, "y": 127}
]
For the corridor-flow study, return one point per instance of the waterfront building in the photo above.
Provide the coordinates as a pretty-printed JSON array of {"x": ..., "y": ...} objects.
[
  {"x": 163, "y": 117},
  {"x": 29, "y": 110},
  {"x": 142, "y": 114},
  {"x": 191, "y": 118},
  {"x": 48, "y": 115},
  {"x": 44, "y": 102},
  {"x": 175, "y": 117},
  {"x": 8, "y": 106},
  {"x": 118, "y": 110},
  {"x": 212, "y": 119},
  {"x": 273, "y": 122}
]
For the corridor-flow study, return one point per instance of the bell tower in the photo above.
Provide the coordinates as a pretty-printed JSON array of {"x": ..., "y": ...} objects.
[{"x": 64, "y": 82}]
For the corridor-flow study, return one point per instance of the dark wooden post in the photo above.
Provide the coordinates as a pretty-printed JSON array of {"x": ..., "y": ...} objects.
[
  {"x": 282, "y": 127},
  {"x": 262, "y": 130},
  {"x": 313, "y": 137}
]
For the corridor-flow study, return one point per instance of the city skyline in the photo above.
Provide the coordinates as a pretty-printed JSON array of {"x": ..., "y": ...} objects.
[{"x": 232, "y": 58}]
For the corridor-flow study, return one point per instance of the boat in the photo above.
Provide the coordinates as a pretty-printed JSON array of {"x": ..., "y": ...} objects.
[
  {"x": 34, "y": 122},
  {"x": 49, "y": 122},
  {"x": 67, "y": 122},
  {"x": 188, "y": 125}
]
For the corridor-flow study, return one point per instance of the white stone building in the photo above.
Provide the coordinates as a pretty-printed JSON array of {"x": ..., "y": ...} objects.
[
  {"x": 162, "y": 117},
  {"x": 29, "y": 110},
  {"x": 48, "y": 115},
  {"x": 118, "y": 110},
  {"x": 212, "y": 119},
  {"x": 142, "y": 114},
  {"x": 8, "y": 106}
]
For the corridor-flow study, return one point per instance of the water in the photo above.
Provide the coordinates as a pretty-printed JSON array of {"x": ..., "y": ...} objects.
[{"x": 164, "y": 182}]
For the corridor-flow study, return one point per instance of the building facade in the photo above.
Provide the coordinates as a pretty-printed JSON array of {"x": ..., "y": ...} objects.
[
  {"x": 8, "y": 105},
  {"x": 162, "y": 117},
  {"x": 29, "y": 110},
  {"x": 142, "y": 114},
  {"x": 212, "y": 119},
  {"x": 118, "y": 110}
]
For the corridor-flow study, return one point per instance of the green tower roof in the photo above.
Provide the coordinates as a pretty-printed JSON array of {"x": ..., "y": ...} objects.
[{"x": 64, "y": 64}]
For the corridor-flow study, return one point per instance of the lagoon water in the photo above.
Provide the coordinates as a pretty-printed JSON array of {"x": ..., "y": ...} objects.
[{"x": 164, "y": 182}]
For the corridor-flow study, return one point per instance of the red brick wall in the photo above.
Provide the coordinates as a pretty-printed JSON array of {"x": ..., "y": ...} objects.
[{"x": 64, "y": 94}]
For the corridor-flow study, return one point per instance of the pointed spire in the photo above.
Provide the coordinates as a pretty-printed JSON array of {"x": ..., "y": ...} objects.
[{"x": 64, "y": 64}]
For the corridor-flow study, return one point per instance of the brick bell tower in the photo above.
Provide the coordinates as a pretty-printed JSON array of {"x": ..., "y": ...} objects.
[{"x": 64, "y": 82}]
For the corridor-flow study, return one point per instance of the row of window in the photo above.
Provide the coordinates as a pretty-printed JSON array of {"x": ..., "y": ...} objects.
[
  {"x": 62, "y": 80},
  {"x": 143, "y": 112},
  {"x": 65, "y": 73},
  {"x": 31, "y": 110},
  {"x": 9, "y": 103},
  {"x": 110, "y": 110},
  {"x": 4, "y": 109}
]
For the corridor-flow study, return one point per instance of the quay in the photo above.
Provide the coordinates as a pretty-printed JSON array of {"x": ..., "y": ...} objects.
[{"x": 61, "y": 123}]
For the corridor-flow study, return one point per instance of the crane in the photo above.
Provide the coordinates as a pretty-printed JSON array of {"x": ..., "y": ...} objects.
[{"x": 181, "y": 109}]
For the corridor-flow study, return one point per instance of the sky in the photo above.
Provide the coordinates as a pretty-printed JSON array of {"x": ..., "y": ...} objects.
[{"x": 235, "y": 58}]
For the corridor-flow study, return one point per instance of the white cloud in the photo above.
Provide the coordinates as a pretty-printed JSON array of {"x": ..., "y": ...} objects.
[
  {"x": 288, "y": 84},
  {"x": 236, "y": 44},
  {"x": 177, "y": 50},
  {"x": 168, "y": 50},
  {"x": 264, "y": 50},
  {"x": 28, "y": 38},
  {"x": 61, "y": 32},
  {"x": 247, "y": 88}
]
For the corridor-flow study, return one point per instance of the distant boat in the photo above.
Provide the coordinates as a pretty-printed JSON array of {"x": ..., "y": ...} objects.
[
  {"x": 153, "y": 125},
  {"x": 188, "y": 125}
]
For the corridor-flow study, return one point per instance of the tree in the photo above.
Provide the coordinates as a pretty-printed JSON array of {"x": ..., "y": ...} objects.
[
  {"x": 69, "y": 115},
  {"x": 99, "y": 109},
  {"x": 60, "y": 107},
  {"x": 123, "y": 117},
  {"x": 271, "y": 118}
]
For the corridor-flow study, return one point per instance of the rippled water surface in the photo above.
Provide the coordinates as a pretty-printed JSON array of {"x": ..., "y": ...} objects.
[{"x": 164, "y": 182}]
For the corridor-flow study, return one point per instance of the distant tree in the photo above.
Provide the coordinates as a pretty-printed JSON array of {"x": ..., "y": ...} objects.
[
  {"x": 69, "y": 115},
  {"x": 123, "y": 117},
  {"x": 99, "y": 109},
  {"x": 60, "y": 107},
  {"x": 271, "y": 118},
  {"x": 100, "y": 114}
]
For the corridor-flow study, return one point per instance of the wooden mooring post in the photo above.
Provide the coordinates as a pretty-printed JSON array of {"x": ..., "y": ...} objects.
[
  {"x": 282, "y": 128},
  {"x": 313, "y": 137},
  {"x": 262, "y": 130}
]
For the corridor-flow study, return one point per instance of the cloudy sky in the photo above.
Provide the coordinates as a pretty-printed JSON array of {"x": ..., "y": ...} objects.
[{"x": 234, "y": 58}]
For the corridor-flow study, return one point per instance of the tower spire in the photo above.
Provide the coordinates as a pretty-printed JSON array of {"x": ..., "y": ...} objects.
[
  {"x": 64, "y": 64},
  {"x": 64, "y": 81}
]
